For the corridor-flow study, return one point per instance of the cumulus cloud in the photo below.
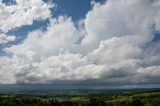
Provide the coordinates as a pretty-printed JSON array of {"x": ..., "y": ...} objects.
[
  {"x": 62, "y": 67},
  {"x": 61, "y": 35},
  {"x": 119, "y": 18},
  {"x": 112, "y": 45},
  {"x": 5, "y": 38},
  {"x": 7, "y": 73},
  {"x": 22, "y": 13}
]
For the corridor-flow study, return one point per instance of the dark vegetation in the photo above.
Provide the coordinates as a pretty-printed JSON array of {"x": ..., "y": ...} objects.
[{"x": 140, "y": 98}]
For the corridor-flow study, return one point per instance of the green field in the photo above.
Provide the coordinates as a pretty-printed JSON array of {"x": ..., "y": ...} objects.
[{"x": 77, "y": 98}]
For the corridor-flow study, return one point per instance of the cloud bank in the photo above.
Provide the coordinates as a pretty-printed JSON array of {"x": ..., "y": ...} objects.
[{"x": 113, "y": 45}]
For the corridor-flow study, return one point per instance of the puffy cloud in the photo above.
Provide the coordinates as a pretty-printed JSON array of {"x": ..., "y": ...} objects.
[
  {"x": 7, "y": 74},
  {"x": 148, "y": 75},
  {"x": 22, "y": 13},
  {"x": 46, "y": 56},
  {"x": 119, "y": 18},
  {"x": 61, "y": 35},
  {"x": 59, "y": 68},
  {"x": 115, "y": 50},
  {"x": 114, "y": 46},
  {"x": 5, "y": 38}
]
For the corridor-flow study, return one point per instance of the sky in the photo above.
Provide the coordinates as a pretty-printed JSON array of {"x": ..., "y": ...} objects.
[{"x": 91, "y": 42}]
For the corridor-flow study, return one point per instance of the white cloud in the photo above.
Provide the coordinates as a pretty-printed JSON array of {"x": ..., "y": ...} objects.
[
  {"x": 61, "y": 35},
  {"x": 114, "y": 47},
  {"x": 115, "y": 50},
  {"x": 45, "y": 56},
  {"x": 7, "y": 74},
  {"x": 118, "y": 18},
  {"x": 62, "y": 68},
  {"x": 5, "y": 38},
  {"x": 22, "y": 13}
]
